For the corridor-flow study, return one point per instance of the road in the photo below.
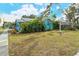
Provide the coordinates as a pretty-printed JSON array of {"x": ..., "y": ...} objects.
[{"x": 4, "y": 43}]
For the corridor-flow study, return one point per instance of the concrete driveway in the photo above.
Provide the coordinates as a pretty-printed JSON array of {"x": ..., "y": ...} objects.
[{"x": 4, "y": 43}]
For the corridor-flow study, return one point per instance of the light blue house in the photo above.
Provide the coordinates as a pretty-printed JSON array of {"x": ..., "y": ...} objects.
[
  {"x": 18, "y": 22},
  {"x": 48, "y": 24},
  {"x": 17, "y": 26},
  {"x": 47, "y": 21}
]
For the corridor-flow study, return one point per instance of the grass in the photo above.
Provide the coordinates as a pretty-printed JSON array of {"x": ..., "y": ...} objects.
[{"x": 49, "y": 43}]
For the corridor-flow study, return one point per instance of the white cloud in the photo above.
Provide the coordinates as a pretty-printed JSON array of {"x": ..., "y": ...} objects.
[
  {"x": 8, "y": 17},
  {"x": 61, "y": 18},
  {"x": 12, "y": 4},
  {"x": 27, "y": 9},
  {"x": 41, "y": 4},
  {"x": 41, "y": 10}
]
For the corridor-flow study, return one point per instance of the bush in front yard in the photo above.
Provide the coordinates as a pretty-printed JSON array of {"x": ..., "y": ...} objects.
[
  {"x": 56, "y": 24},
  {"x": 32, "y": 26}
]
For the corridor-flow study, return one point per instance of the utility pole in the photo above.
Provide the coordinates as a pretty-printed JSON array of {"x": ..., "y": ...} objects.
[
  {"x": 60, "y": 26},
  {"x": 60, "y": 10}
]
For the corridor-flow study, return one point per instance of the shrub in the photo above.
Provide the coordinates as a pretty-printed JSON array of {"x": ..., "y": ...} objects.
[
  {"x": 13, "y": 31},
  {"x": 32, "y": 26},
  {"x": 55, "y": 24}
]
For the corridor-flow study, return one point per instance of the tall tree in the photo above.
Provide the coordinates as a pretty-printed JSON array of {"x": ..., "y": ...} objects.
[
  {"x": 46, "y": 12},
  {"x": 70, "y": 14}
]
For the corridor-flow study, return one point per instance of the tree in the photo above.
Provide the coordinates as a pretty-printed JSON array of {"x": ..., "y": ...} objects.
[
  {"x": 46, "y": 12},
  {"x": 70, "y": 14},
  {"x": 52, "y": 15}
]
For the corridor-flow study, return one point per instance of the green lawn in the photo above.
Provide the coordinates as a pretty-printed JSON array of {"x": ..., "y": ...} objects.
[{"x": 44, "y": 43}]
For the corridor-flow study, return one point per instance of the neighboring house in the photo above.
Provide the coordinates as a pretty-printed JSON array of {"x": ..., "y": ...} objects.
[{"x": 65, "y": 25}]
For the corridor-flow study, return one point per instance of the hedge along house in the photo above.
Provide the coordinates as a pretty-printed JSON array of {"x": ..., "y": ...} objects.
[{"x": 19, "y": 21}]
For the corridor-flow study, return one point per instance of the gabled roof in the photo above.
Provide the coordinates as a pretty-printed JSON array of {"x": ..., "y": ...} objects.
[{"x": 24, "y": 20}]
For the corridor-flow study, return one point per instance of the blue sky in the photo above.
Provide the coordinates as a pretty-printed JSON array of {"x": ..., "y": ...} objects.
[
  {"x": 63, "y": 6},
  {"x": 8, "y": 9}
]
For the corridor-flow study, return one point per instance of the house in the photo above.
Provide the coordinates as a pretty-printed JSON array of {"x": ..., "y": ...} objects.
[
  {"x": 18, "y": 21},
  {"x": 47, "y": 23}
]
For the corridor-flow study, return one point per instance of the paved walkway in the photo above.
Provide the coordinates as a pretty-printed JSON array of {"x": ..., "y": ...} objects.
[{"x": 4, "y": 43}]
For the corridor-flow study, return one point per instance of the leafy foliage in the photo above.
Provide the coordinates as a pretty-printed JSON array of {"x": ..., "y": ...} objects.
[
  {"x": 32, "y": 26},
  {"x": 56, "y": 24},
  {"x": 70, "y": 14},
  {"x": 8, "y": 25}
]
